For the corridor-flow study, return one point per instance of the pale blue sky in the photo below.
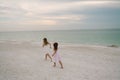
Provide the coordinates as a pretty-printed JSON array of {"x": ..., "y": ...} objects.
[{"x": 22, "y": 15}]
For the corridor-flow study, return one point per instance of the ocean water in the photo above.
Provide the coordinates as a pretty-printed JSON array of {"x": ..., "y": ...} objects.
[{"x": 91, "y": 37}]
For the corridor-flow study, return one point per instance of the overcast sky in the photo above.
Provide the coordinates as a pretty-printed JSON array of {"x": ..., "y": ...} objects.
[{"x": 22, "y": 15}]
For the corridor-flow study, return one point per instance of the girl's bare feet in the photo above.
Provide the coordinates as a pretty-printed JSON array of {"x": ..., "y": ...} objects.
[{"x": 54, "y": 64}]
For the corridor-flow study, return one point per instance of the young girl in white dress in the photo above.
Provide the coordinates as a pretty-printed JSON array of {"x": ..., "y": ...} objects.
[
  {"x": 56, "y": 56},
  {"x": 47, "y": 46}
]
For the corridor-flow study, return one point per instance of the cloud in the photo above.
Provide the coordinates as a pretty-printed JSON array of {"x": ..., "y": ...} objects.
[
  {"x": 40, "y": 22},
  {"x": 27, "y": 25},
  {"x": 53, "y": 7},
  {"x": 35, "y": 7},
  {"x": 46, "y": 20},
  {"x": 51, "y": 13},
  {"x": 10, "y": 11},
  {"x": 30, "y": 22}
]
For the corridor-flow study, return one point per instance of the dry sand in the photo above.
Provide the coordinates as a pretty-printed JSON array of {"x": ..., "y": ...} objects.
[{"x": 25, "y": 61}]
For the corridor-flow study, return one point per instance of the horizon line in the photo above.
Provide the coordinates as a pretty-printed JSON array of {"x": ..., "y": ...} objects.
[{"x": 62, "y": 30}]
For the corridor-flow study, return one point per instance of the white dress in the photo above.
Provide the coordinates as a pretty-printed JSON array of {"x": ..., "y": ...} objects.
[
  {"x": 47, "y": 49},
  {"x": 56, "y": 57}
]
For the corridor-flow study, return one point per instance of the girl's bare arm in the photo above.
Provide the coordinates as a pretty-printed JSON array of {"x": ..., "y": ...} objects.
[
  {"x": 43, "y": 45},
  {"x": 50, "y": 45}
]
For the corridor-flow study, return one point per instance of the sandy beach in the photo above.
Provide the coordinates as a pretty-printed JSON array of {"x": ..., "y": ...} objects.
[{"x": 25, "y": 61}]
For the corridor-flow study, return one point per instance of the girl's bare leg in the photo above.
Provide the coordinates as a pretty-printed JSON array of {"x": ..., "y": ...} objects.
[
  {"x": 45, "y": 56},
  {"x": 49, "y": 57},
  {"x": 61, "y": 64}
]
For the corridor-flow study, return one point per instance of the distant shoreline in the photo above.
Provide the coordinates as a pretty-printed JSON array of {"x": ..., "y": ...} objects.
[{"x": 62, "y": 44}]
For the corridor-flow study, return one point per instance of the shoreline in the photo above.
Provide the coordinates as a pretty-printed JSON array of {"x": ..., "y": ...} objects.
[{"x": 63, "y": 44}]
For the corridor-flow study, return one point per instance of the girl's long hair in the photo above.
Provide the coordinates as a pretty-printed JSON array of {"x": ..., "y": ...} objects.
[
  {"x": 45, "y": 41},
  {"x": 55, "y": 45}
]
